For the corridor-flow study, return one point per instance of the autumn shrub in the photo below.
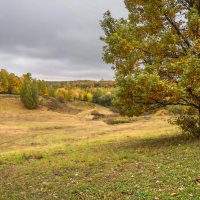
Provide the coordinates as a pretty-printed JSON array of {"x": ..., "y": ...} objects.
[
  {"x": 188, "y": 121},
  {"x": 103, "y": 98},
  {"x": 97, "y": 115},
  {"x": 95, "y": 112}
]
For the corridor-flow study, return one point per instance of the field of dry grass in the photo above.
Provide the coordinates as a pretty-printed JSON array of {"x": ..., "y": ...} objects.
[
  {"x": 64, "y": 155},
  {"x": 22, "y": 129}
]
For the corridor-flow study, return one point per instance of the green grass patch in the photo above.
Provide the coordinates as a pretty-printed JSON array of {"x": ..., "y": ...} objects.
[
  {"x": 132, "y": 168},
  {"x": 120, "y": 120}
]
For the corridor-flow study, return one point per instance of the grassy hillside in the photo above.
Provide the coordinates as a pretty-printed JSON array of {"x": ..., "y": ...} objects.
[{"x": 47, "y": 154}]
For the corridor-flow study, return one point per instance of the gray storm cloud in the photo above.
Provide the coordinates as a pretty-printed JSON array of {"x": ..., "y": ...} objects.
[{"x": 55, "y": 39}]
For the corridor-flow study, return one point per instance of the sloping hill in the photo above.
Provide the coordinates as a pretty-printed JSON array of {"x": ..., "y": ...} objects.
[
  {"x": 23, "y": 129},
  {"x": 47, "y": 154}
]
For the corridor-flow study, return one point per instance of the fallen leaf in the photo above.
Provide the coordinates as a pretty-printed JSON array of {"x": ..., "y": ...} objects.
[
  {"x": 157, "y": 182},
  {"x": 198, "y": 180},
  {"x": 173, "y": 194}
]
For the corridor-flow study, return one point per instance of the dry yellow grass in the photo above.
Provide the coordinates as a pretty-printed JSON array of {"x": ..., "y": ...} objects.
[{"x": 22, "y": 129}]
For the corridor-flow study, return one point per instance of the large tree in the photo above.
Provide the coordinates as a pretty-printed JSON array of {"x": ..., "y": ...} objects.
[{"x": 156, "y": 55}]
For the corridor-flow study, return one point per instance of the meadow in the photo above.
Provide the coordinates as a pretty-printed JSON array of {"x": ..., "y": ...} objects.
[{"x": 47, "y": 154}]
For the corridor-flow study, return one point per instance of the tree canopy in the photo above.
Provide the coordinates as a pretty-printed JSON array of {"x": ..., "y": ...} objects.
[{"x": 155, "y": 54}]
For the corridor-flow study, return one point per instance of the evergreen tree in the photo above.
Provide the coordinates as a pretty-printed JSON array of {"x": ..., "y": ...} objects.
[{"x": 28, "y": 93}]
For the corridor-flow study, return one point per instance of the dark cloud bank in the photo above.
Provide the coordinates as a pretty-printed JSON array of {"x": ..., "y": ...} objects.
[{"x": 55, "y": 39}]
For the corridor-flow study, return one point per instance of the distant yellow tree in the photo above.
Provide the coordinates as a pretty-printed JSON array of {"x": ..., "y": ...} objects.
[
  {"x": 81, "y": 96},
  {"x": 42, "y": 88},
  {"x": 70, "y": 95},
  {"x": 76, "y": 95},
  {"x": 61, "y": 94},
  {"x": 89, "y": 97},
  {"x": 14, "y": 84},
  {"x": 4, "y": 81}
]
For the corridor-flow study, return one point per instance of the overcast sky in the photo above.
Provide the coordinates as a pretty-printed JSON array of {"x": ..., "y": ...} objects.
[{"x": 55, "y": 39}]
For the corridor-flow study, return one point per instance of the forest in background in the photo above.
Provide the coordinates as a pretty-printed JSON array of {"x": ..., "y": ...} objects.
[{"x": 99, "y": 92}]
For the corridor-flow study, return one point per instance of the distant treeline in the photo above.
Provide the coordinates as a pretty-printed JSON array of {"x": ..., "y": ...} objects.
[
  {"x": 82, "y": 84},
  {"x": 99, "y": 92},
  {"x": 12, "y": 84}
]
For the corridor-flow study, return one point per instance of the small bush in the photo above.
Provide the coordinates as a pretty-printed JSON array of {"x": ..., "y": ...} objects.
[
  {"x": 188, "y": 120},
  {"x": 176, "y": 110},
  {"x": 27, "y": 157},
  {"x": 121, "y": 120},
  {"x": 1, "y": 162},
  {"x": 95, "y": 113}
]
